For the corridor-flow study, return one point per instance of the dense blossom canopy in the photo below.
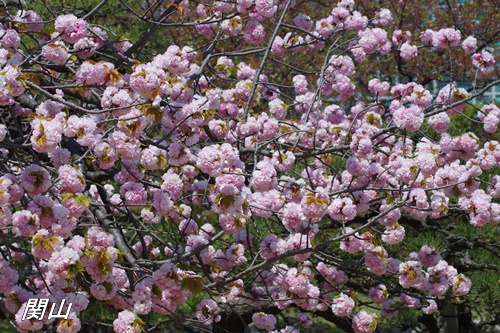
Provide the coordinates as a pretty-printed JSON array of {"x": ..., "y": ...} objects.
[{"x": 202, "y": 174}]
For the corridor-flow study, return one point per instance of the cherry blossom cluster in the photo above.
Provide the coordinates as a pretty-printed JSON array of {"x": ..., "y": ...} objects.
[{"x": 142, "y": 184}]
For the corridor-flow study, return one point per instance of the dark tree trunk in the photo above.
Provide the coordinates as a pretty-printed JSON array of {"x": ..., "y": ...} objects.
[
  {"x": 430, "y": 322},
  {"x": 457, "y": 318},
  {"x": 449, "y": 314}
]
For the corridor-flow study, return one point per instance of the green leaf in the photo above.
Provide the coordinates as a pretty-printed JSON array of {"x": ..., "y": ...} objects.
[
  {"x": 82, "y": 200},
  {"x": 75, "y": 268},
  {"x": 224, "y": 200},
  {"x": 156, "y": 290},
  {"x": 192, "y": 283}
]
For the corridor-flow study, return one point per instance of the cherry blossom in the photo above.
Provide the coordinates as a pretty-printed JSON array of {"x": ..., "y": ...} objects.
[{"x": 269, "y": 164}]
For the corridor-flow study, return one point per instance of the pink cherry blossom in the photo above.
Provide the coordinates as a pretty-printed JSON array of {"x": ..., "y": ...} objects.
[
  {"x": 264, "y": 321},
  {"x": 8, "y": 278},
  {"x": 409, "y": 118},
  {"x": 376, "y": 260},
  {"x": 206, "y": 311},
  {"x": 35, "y": 179},
  {"x": 342, "y": 305},
  {"x": 378, "y": 87},
  {"x": 410, "y": 301},
  {"x": 429, "y": 256},
  {"x": 446, "y": 38},
  {"x": 484, "y": 61},
  {"x": 430, "y": 308},
  {"x": 440, "y": 122},
  {"x": 31, "y": 18},
  {"x": 70, "y": 28},
  {"x": 469, "y": 45},
  {"x": 394, "y": 234},
  {"x": 127, "y": 322},
  {"x": 134, "y": 194},
  {"x": 408, "y": 51},
  {"x": 461, "y": 285},
  {"x": 255, "y": 32},
  {"x": 383, "y": 17},
  {"x": 303, "y": 21},
  {"x": 70, "y": 180},
  {"x": 305, "y": 320},
  {"x": 378, "y": 294},
  {"x": 57, "y": 52},
  {"x": 364, "y": 322}
]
